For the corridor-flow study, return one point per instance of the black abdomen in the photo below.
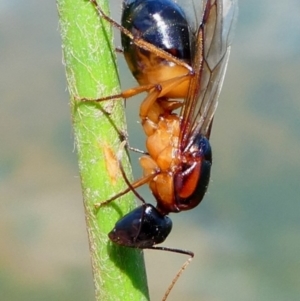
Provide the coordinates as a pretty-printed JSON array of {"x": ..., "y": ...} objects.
[{"x": 161, "y": 23}]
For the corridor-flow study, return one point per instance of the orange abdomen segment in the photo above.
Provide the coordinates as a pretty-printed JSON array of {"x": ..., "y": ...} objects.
[{"x": 162, "y": 187}]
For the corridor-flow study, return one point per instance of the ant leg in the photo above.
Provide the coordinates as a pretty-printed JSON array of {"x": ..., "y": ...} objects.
[
  {"x": 125, "y": 94},
  {"x": 140, "y": 42},
  {"x": 159, "y": 91},
  {"x": 136, "y": 150},
  {"x": 124, "y": 137},
  {"x": 119, "y": 50},
  {"x": 131, "y": 186}
]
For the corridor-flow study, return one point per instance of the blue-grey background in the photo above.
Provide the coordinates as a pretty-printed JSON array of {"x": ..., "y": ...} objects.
[{"x": 245, "y": 234}]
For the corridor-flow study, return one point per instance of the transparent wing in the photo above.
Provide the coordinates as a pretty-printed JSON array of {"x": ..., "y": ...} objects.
[{"x": 212, "y": 48}]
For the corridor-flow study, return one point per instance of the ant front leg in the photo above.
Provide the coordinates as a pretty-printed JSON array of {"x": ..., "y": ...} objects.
[{"x": 131, "y": 186}]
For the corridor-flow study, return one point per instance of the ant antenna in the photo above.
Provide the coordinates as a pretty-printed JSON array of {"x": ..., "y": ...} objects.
[{"x": 181, "y": 270}]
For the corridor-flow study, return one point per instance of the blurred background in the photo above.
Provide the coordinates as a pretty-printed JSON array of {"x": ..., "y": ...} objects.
[{"x": 245, "y": 234}]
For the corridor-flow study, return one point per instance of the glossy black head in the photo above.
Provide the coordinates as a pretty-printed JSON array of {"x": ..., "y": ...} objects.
[
  {"x": 159, "y": 22},
  {"x": 141, "y": 228}
]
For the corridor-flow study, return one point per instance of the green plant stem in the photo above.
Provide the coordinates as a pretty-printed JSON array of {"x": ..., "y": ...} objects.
[{"x": 119, "y": 272}]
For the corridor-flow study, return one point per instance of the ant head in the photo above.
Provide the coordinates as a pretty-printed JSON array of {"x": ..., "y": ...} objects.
[{"x": 143, "y": 227}]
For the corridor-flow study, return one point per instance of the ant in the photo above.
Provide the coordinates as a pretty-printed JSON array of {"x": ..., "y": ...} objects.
[{"x": 178, "y": 68}]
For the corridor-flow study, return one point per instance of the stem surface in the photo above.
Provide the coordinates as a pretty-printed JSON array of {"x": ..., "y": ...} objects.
[{"x": 119, "y": 272}]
